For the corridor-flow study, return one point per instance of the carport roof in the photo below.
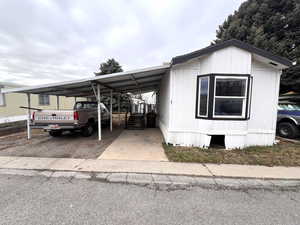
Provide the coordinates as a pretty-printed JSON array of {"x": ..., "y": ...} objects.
[{"x": 142, "y": 80}]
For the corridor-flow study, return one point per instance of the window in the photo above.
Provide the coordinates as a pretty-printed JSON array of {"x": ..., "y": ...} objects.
[
  {"x": 2, "y": 99},
  {"x": 94, "y": 105},
  {"x": 223, "y": 96},
  {"x": 289, "y": 106},
  {"x": 44, "y": 100},
  {"x": 230, "y": 96},
  {"x": 85, "y": 105},
  {"x": 203, "y": 91}
]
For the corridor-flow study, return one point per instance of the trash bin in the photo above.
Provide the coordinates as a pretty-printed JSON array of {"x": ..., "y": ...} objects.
[{"x": 151, "y": 120}]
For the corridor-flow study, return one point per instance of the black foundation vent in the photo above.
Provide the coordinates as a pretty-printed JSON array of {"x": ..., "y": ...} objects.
[{"x": 217, "y": 141}]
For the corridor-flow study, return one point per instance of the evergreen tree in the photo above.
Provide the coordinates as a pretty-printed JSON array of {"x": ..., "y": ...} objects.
[
  {"x": 108, "y": 67},
  {"x": 273, "y": 25}
]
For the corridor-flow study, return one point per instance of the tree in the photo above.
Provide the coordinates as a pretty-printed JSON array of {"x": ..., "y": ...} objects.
[
  {"x": 108, "y": 67},
  {"x": 124, "y": 102},
  {"x": 270, "y": 25}
]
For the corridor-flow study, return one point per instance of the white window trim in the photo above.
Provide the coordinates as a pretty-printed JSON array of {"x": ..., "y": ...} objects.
[
  {"x": 250, "y": 95},
  {"x": 233, "y": 97},
  {"x": 199, "y": 94}
]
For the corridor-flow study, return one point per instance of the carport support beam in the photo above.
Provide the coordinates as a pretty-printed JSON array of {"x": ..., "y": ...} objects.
[
  {"x": 111, "y": 95},
  {"x": 99, "y": 111},
  {"x": 119, "y": 95},
  {"x": 57, "y": 102},
  {"x": 29, "y": 116}
]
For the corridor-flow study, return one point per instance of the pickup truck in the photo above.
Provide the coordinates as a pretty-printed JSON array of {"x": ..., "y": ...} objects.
[
  {"x": 83, "y": 117},
  {"x": 288, "y": 119}
]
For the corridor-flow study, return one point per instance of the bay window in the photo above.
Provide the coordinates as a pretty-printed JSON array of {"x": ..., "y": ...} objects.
[{"x": 228, "y": 98}]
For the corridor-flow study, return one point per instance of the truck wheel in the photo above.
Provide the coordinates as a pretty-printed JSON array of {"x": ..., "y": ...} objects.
[
  {"x": 56, "y": 133},
  {"x": 288, "y": 130},
  {"x": 88, "y": 130}
]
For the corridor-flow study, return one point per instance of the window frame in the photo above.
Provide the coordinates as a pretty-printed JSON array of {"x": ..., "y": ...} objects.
[
  {"x": 198, "y": 96},
  {"x": 42, "y": 96},
  {"x": 211, "y": 97},
  {"x": 244, "y": 97},
  {"x": 2, "y": 95}
]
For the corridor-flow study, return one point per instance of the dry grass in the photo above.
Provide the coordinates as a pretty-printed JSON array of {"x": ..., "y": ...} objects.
[{"x": 283, "y": 154}]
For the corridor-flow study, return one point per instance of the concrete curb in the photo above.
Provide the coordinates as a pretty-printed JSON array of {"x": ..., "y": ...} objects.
[
  {"x": 164, "y": 182},
  {"x": 151, "y": 167}
]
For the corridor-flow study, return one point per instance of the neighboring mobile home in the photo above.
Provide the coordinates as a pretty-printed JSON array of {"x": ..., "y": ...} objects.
[{"x": 10, "y": 103}]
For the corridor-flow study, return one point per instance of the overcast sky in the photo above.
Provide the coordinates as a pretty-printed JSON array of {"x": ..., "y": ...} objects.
[{"x": 44, "y": 41}]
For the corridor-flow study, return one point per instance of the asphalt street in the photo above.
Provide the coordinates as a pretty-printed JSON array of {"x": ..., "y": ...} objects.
[{"x": 42, "y": 200}]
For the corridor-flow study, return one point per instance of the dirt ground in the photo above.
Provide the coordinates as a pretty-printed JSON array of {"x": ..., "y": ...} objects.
[{"x": 67, "y": 146}]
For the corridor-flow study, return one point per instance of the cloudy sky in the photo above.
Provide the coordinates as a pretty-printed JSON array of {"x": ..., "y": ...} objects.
[{"x": 43, "y": 41}]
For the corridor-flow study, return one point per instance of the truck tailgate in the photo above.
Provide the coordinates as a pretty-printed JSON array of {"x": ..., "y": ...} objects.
[{"x": 54, "y": 117}]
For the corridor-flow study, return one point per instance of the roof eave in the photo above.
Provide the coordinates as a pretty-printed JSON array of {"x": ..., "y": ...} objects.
[{"x": 239, "y": 44}]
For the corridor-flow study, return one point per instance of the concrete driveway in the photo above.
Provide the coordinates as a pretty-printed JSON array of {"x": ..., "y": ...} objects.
[{"x": 137, "y": 145}]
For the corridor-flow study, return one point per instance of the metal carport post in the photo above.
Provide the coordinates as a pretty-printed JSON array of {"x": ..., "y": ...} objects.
[
  {"x": 119, "y": 109},
  {"x": 57, "y": 102},
  {"x": 111, "y": 94},
  {"x": 99, "y": 111},
  {"x": 29, "y": 116},
  {"x": 98, "y": 97}
]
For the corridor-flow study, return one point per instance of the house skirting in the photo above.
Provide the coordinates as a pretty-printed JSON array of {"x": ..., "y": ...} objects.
[{"x": 233, "y": 140}]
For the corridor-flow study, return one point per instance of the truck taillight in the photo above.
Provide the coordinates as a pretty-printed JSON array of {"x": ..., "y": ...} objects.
[
  {"x": 76, "y": 116},
  {"x": 33, "y": 115}
]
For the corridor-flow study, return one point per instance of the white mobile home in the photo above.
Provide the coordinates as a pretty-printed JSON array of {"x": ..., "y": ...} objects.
[{"x": 228, "y": 91}]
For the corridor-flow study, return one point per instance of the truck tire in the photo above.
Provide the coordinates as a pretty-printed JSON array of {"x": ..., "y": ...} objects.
[
  {"x": 55, "y": 133},
  {"x": 88, "y": 130},
  {"x": 288, "y": 130}
]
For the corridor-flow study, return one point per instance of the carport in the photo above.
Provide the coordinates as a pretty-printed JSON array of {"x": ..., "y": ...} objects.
[{"x": 136, "y": 81}]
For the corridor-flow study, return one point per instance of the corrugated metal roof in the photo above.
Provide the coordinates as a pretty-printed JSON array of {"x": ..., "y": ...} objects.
[{"x": 142, "y": 80}]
